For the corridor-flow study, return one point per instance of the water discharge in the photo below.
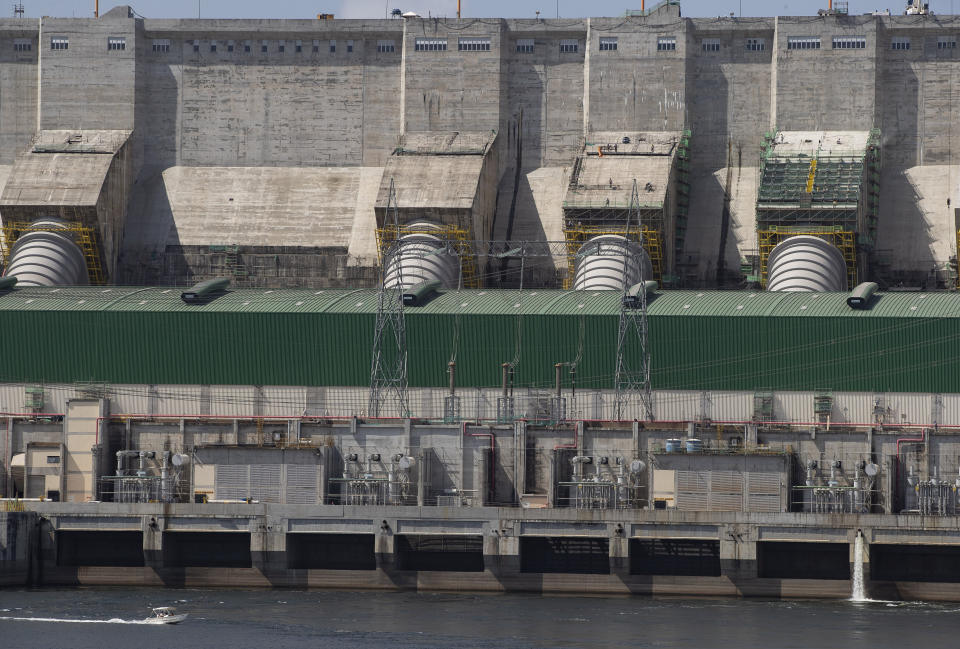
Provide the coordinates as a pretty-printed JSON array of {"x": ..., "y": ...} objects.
[{"x": 857, "y": 592}]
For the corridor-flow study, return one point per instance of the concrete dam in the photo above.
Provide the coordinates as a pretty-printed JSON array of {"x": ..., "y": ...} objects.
[{"x": 648, "y": 304}]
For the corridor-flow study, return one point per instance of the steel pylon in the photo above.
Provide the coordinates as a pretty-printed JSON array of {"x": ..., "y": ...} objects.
[
  {"x": 388, "y": 364},
  {"x": 632, "y": 378}
]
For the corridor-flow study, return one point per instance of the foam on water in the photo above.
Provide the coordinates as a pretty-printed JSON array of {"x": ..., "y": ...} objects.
[{"x": 114, "y": 620}]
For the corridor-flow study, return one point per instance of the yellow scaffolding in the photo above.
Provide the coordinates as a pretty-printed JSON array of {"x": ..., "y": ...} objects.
[
  {"x": 576, "y": 237},
  {"x": 844, "y": 240},
  {"x": 82, "y": 235},
  {"x": 458, "y": 238}
]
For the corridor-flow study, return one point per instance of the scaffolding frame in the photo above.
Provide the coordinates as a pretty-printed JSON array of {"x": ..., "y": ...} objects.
[
  {"x": 844, "y": 240},
  {"x": 458, "y": 238},
  {"x": 84, "y": 236}
]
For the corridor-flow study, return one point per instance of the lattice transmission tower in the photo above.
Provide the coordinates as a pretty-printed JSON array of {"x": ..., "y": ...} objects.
[
  {"x": 632, "y": 378},
  {"x": 388, "y": 364}
]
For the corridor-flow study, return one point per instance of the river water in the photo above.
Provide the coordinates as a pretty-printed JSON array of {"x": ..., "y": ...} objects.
[{"x": 289, "y": 619}]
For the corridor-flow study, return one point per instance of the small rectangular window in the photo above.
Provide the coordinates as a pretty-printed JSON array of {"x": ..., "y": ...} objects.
[
  {"x": 946, "y": 42},
  {"x": 849, "y": 42},
  {"x": 59, "y": 43},
  {"x": 386, "y": 46},
  {"x": 710, "y": 45},
  {"x": 247, "y": 45},
  {"x": 333, "y": 46},
  {"x": 22, "y": 45},
  {"x": 213, "y": 46},
  {"x": 316, "y": 46},
  {"x": 473, "y": 45},
  {"x": 116, "y": 44},
  {"x": 264, "y": 47},
  {"x": 608, "y": 44},
  {"x": 803, "y": 43},
  {"x": 230, "y": 45},
  {"x": 196, "y": 46},
  {"x": 756, "y": 44},
  {"x": 53, "y": 459},
  {"x": 349, "y": 46},
  {"x": 298, "y": 46},
  {"x": 525, "y": 45},
  {"x": 900, "y": 43},
  {"x": 666, "y": 44},
  {"x": 430, "y": 45},
  {"x": 281, "y": 46},
  {"x": 569, "y": 46}
]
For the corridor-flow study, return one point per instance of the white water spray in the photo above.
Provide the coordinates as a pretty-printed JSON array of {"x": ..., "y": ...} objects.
[{"x": 857, "y": 593}]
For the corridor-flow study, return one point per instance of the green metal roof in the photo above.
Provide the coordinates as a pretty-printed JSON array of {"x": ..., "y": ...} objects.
[
  {"x": 700, "y": 340},
  {"x": 486, "y": 302}
]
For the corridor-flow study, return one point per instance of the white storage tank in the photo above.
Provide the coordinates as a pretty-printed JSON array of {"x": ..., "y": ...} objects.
[
  {"x": 611, "y": 263},
  {"x": 806, "y": 263}
]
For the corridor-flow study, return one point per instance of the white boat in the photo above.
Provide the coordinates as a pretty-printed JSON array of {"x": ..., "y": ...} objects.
[{"x": 165, "y": 615}]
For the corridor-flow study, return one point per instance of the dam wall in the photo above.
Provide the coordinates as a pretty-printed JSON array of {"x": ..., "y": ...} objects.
[{"x": 341, "y": 93}]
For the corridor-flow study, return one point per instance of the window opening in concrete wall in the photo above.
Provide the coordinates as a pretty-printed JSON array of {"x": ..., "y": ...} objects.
[
  {"x": 849, "y": 42},
  {"x": 430, "y": 45},
  {"x": 525, "y": 45},
  {"x": 116, "y": 44},
  {"x": 349, "y": 46},
  {"x": 803, "y": 43},
  {"x": 53, "y": 459},
  {"x": 230, "y": 45},
  {"x": 213, "y": 46},
  {"x": 22, "y": 45},
  {"x": 900, "y": 43},
  {"x": 666, "y": 43},
  {"x": 316, "y": 46},
  {"x": 386, "y": 46},
  {"x": 333, "y": 46},
  {"x": 710, "y": 45},
  {"x": 298, "y": 46},
  {"x": 570, "y": 46},
  {"x": 756, "y": 44},
  {"x": 473, "y": 44},
  {"x": 281, "y": 46},
  {"x": 264, "y": 46},
  {"x": 59, "y": 43},
  {"x": 608, "y": 44},
  {"x": 247, "y": 45},
  {"x": 946, "y": 42},
  {"x": 196, "y": 46}
]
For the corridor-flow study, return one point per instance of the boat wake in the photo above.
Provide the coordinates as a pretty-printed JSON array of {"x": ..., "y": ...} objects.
[{"x": 114, "y": 620}]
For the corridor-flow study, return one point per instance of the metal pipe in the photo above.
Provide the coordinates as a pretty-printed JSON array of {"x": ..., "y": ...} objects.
[
  {"x": 492, "y": 487},
  {"x": 96, "y": 8},
  {"x": 164, "y": 475},
  {"x": 452, "y": 370},
  {"x": 557, "y": 379},
  {"x": 505, "y": 368},
  {"x": 905, "y": 440}
]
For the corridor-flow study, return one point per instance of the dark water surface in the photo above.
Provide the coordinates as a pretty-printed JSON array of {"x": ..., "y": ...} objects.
[{"x": 281, "y": 619}]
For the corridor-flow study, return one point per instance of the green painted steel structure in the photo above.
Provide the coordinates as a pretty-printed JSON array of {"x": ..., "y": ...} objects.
[{"x": 710, "y": 340}]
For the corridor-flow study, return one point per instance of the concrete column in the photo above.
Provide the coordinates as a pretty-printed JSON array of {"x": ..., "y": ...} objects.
[
  {"x": 152, "y": 528},
  {"x": 586, "y": 80},
  {"x": 385, "y": 544},
  {"x": 619, "y": 550},
  {"x": 738, "y": 552},
  {"x": 8, "y": 457}
]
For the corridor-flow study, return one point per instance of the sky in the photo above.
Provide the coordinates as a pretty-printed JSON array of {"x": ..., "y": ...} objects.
[{"x": 448, "y": 8}]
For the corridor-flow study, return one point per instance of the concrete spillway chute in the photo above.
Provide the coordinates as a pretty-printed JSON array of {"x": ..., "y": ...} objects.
[
  {"x": 611, "y": 263},
  {"x": 806, "y": 264},
  {"x": 47, "y": 256},
  {"x": 421, "y": 257}
]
